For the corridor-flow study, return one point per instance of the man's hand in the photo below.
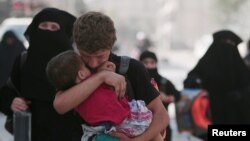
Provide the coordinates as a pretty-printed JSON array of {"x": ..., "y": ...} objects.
[{"x": 19, "y": 104}]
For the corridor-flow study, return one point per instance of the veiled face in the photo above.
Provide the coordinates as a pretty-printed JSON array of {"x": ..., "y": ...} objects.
[
  {"x": 149, "y": 63},
  {"x": 48, "y": 25},
  {"x": 9, "y": 41}
]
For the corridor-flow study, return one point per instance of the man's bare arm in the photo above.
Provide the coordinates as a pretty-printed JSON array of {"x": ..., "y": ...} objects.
[
  {"x": 159, "y": 122},
  {"x": 160, "y": 119}
]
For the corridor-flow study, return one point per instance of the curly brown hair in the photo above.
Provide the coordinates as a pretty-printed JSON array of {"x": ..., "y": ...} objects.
[{"x": 94, "y": 31}]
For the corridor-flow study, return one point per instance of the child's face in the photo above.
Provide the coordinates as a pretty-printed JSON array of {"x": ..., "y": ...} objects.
[{"x": 83, "y": 73}]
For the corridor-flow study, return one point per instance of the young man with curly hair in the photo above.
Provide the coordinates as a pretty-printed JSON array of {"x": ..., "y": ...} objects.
[{"x": 94, "y": 34}]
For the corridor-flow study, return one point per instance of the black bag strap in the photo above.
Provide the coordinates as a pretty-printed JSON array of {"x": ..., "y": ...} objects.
[
  {"x": 124, "y": 66},
  {"x": 9, "y": 82}
]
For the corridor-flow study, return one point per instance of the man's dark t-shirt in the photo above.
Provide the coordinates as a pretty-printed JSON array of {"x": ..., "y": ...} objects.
[{"x": 139, "y": 79}]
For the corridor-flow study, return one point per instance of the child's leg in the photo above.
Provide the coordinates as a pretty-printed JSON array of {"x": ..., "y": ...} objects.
[{"x": 157, "y": 138}]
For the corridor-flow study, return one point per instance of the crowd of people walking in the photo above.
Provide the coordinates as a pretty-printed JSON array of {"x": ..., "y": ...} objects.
[{"x": 69, "y": 67}]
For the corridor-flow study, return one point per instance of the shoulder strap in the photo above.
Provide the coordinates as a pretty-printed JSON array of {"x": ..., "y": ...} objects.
[
  {"x": 9, "y": 82},
  {"x": 124, "y": 64}
]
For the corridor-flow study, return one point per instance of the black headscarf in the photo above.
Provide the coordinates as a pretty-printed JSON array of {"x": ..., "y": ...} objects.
[
  {"x": 10, "y": 34},
  {"x": 148, "y": 54},
  {"x": 153, "y": 72},
  {"x": 224, "y": 74},
  {"x": 8, "y": 54},
  {"x": 44, "y": 45}
]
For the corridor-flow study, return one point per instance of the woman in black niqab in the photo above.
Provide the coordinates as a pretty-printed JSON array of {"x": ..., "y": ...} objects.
[
  {"x": 225, "y": 76},
  {"x": 44, "y": 44},
  {"x": 10, "y": 48},
  {"x": 47, "y": 124}
]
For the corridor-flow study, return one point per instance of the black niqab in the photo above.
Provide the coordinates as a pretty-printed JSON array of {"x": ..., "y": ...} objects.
[
  {"x": 44, "y": 45},
  {"x": 223, "y": 72},
  {"x": 8, "y": 54},
  {"x": 32, "y": 81}
]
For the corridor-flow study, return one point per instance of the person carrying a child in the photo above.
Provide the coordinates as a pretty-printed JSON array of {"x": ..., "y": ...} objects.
[{"x": 102, "y": 111}]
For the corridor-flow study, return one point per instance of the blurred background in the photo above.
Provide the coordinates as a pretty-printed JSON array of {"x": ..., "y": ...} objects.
[{"x": 179, "y": 31}]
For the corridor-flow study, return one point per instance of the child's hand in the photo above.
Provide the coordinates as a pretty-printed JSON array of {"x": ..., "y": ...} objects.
[{"x": 109, "y": 66}]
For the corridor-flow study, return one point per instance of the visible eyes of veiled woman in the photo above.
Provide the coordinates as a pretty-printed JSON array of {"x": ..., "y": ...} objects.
[{"x": 51, "y": 26}]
